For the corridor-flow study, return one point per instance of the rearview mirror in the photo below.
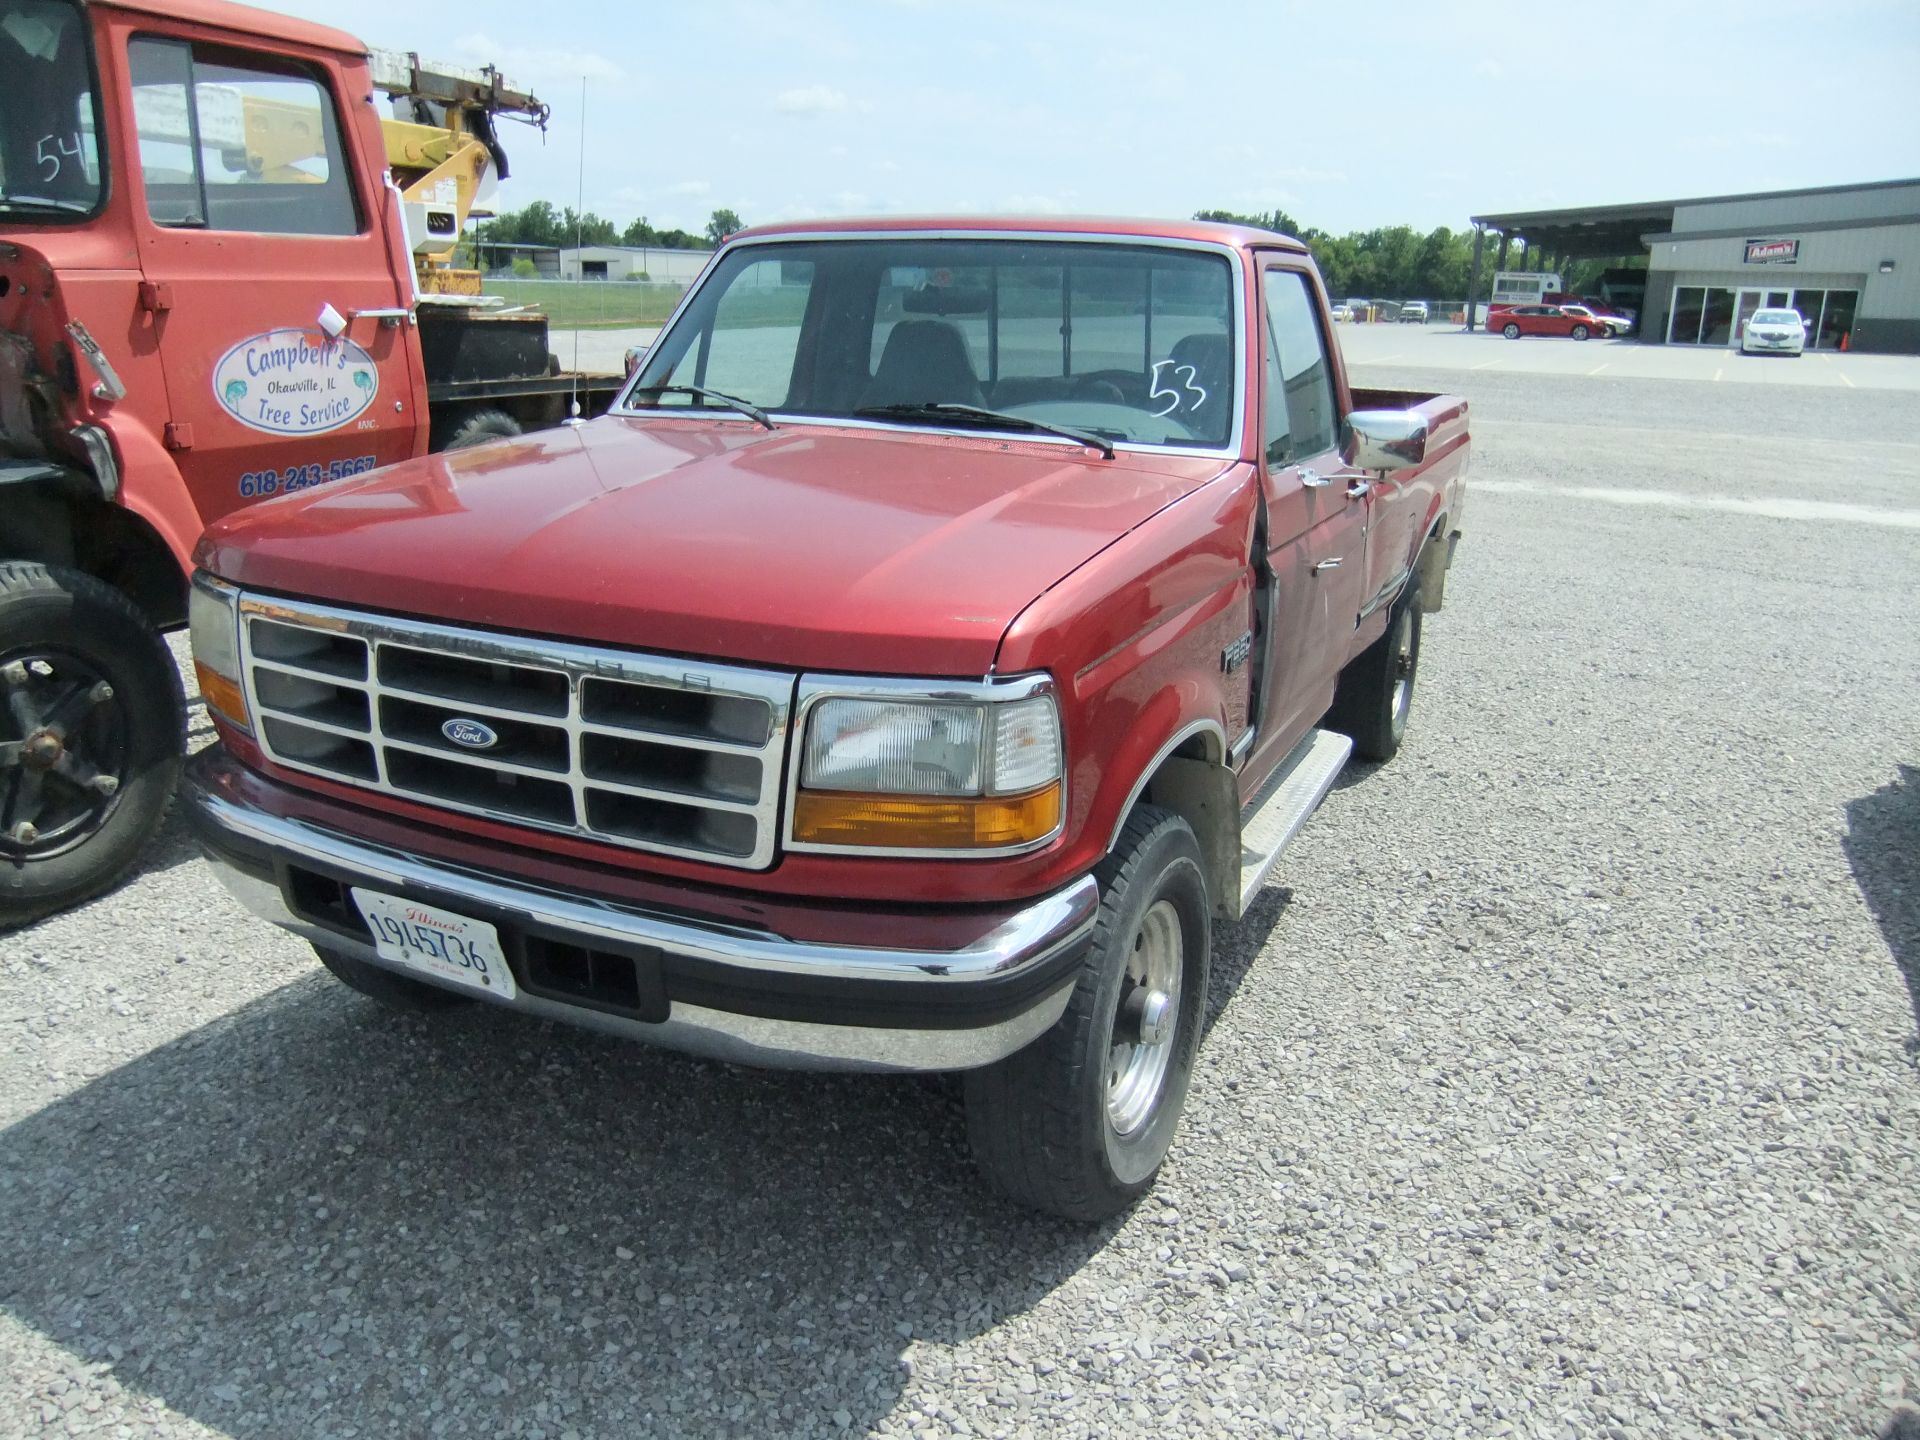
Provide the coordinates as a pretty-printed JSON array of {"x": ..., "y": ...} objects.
[{"x": 1384, "y": 440}]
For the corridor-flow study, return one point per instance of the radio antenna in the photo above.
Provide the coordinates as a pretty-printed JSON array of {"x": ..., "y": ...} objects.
[{"x": 579, "y": 219}]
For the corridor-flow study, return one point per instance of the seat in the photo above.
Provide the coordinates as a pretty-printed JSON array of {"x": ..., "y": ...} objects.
[
  {"x": 1211, "y": 359},
  {"x": 925, "y": 361}
]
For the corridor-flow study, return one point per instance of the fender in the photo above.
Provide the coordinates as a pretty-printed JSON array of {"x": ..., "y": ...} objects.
[{"x": 153, "y": 488}]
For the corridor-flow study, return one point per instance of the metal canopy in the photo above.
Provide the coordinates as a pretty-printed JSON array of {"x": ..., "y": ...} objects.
[{"x": 1591, "y": 232}]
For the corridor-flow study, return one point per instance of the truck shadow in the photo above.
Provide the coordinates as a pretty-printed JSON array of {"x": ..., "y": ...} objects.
[
  {"x": 311, "y": 1216},
  {"x": 1881, "y": 843},
  {"x": 1236, "y": 948}
]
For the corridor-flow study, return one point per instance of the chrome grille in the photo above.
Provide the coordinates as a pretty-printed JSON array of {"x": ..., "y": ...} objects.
[{"x": 636, "y": 750}]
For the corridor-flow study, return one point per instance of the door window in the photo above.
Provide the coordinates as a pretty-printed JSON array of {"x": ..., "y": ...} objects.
[
  {"x": 237, "y": 143},
  {"x": 750, "y": 344},
  {"x": 1299, "y": 407}
]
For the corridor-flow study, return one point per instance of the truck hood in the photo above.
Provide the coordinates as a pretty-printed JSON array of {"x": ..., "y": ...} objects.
[{"x": 807, "y": 547}]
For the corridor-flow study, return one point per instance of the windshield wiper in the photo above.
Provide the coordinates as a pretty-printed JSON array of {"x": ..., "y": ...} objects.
[
  {"x": 950, "y": 410},
  {"x": 701, "y": 392},
  {"x": 11, "y": 200}
]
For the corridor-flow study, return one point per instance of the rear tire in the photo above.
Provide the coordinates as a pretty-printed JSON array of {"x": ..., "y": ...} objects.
[
  {"x": 1580, "y": 332},
  {"x": 1375, "y": 694},
  {"x": 1079, "y": 1122},
  {"x": 482, "y": 426},
  {"x": 1511, "y": 331},
  {"x": 92, "y": 729},
  {"x": 396, "y": 992}
]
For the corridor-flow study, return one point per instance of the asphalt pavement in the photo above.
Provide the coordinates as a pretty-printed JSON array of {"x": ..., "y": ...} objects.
[{"x": 1563, "y": 1082}]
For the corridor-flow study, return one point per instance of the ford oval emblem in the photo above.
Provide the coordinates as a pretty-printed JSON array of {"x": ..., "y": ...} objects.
[{"x": 469, "y": 734}]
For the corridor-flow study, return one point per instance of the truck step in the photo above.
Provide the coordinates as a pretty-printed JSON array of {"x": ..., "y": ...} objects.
[{"x": 1284, "y": 804}]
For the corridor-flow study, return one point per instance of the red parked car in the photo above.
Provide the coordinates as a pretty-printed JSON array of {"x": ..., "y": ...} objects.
[{"x": 1517, "y": 320}]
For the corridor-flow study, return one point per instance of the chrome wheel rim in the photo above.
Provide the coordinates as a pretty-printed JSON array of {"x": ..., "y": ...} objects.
[
  {"x": 1402, "y": 667},
  {"x": 1146, "y": 1020}
]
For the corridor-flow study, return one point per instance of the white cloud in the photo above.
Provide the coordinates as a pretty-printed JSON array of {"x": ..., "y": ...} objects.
[
  {"x": 1491, "y": 69},
  {"x": 689, "y": 187},
  {"x": 1034, "y": 204},
  {"x": 811, "y": 100},
  {"x": 536, "y": 64}
]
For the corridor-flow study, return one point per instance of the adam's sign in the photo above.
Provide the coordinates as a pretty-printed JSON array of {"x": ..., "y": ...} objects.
[{"x": 1773, "y": 252}]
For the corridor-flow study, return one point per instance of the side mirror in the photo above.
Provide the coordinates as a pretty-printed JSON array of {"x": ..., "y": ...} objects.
[
  {"x": 635, "y": 355},
  {"x": 1384, "y": 440}
]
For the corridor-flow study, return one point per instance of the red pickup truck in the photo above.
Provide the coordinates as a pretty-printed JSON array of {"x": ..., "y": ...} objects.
[{"x": 947, "y": 627}]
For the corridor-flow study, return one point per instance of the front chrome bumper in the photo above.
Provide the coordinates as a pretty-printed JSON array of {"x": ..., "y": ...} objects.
[{"x": 836, "y": 1005}]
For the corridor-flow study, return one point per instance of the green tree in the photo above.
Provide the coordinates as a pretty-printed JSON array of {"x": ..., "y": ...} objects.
[
  {"x": 722, "y": 224},
  {"x": 639, "y": 232},
  {"x": 524, "y": 269}
]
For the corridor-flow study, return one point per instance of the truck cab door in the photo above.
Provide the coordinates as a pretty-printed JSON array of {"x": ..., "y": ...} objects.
[
  {"x": 1316, "y": 520},
  {"x": 254, "y": 213}
]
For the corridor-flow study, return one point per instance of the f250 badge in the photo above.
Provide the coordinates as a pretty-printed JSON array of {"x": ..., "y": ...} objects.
[
  {"x": 469, "y": 734},
  {"x": 295, "y": 382}
]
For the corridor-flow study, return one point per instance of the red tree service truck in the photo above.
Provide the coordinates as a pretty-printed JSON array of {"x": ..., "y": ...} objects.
[
  {"x": 950, "y": 623},
  {"x": 224, "y": 275}
]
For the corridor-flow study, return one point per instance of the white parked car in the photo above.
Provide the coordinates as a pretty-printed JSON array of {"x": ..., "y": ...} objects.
[
  {"x": 1414, "y": 312},
  {"x": 1774, "y": 332},
  {"x": 1342, "y": 311},
  {"x": 1606, "y": 324}
]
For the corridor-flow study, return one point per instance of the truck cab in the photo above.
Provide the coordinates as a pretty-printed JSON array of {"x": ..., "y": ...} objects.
[{"x": 209, "y": 296}]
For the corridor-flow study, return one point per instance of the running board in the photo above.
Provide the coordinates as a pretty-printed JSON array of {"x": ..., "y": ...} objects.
[{"x": 1284, "y": 804}]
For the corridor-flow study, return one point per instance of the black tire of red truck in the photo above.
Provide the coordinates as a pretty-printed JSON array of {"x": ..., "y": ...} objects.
[
  {"x": 1078, "y": 1123},
  {"x": 1375, "y": 696},
  {"x": 92, "y": 725}
]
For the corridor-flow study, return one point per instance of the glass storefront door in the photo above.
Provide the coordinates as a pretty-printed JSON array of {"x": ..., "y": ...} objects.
[{"x": 1717, "y": 315}]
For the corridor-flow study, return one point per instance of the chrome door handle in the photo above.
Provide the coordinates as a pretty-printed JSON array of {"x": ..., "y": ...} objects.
[
  {"x": 1313, "y": 479},
  {"x": 394, "y": 315},
  {"x": 1358, "y": 488},
  {"x": 1333, "y": 564}
]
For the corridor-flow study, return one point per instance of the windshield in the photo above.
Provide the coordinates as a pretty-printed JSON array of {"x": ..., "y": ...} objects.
[
  {"x": 1776, "y": 317},
  {"x": 49, "y": 157},
  {"x": 1132, "y": 343}
]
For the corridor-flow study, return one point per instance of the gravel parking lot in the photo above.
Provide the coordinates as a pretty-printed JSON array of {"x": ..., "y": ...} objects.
[{"x": 1563, "y": 1083}]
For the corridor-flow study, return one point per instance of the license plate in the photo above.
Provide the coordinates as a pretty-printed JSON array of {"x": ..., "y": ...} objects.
[{"x": 437, "y": 942}]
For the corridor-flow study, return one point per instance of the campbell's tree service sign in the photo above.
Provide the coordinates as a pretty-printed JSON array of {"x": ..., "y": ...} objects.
[
  {"x": 1773, "y": 252},
  {"x": 295, "y": 382}
]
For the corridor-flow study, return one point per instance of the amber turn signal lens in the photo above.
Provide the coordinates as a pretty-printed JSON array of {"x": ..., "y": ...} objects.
[
  {"x": 837, "y": 817},
  {"x": 222, "y": 695}
]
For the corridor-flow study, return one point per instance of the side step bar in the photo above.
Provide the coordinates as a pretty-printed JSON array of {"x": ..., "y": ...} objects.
[{"x": 1284, "y": 804}]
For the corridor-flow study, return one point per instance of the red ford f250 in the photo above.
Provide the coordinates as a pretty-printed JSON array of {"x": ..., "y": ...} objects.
[{"x": 949, "y": 625}]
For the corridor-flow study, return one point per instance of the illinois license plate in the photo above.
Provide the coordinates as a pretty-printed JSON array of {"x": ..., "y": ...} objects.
[{"x": 437, "y": 942}]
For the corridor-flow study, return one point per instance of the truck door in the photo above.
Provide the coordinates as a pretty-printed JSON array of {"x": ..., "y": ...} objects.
[
  {"x": 1316, "y": 529},
  {"x": 255, "y": 213}
]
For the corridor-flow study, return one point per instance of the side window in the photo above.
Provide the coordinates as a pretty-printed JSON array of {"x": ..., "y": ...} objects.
[
  {"x": 232, "y": 143},
  {"x": 1300, "y": 417}
]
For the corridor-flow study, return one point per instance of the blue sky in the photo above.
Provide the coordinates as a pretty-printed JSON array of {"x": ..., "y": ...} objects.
[{"x": 1345, "y": 115}]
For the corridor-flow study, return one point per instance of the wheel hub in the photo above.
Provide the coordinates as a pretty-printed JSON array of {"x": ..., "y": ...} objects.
[
  {"x": 63, "y": 747},
  {"x": 1146, "y": 1019}
]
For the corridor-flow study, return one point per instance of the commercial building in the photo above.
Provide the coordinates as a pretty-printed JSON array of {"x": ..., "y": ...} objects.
[
  {"x": 1847, "y": 257},
  {"x": 631, "y": 262}
]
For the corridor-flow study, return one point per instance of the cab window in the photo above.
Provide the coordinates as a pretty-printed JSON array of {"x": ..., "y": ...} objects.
[
  {"x": 1299, "y": 406},
  {"x": 237, "y": 142}
]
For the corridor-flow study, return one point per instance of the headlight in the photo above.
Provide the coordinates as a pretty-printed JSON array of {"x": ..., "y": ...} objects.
[
  {"x": 933, "y": 774},
  {"x": 214, "y": 623}
]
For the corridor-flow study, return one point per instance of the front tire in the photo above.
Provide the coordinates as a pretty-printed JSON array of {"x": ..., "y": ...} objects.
[
  {"x": 92, "y": 730},
  {"x": 1375, "y": 694},
  {"x": 1511, "y": 331},
  {"x": 1079, "y": 1122}
]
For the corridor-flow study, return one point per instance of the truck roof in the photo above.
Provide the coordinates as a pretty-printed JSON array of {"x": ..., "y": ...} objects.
[
  {"x": 246, "y": 20},
  {"x": 1241, "y": 237}
]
